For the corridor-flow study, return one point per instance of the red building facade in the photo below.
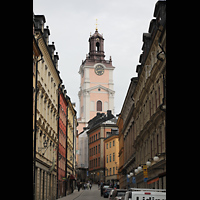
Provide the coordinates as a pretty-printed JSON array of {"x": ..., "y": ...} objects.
[{"x": 62, "y": 143}]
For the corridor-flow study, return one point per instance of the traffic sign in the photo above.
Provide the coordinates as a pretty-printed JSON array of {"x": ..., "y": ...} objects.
[
  {"x": 145, "y": 173},
  {"x": 145, "y": 179}
]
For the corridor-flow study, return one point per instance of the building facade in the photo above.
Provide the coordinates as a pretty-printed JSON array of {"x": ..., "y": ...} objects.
[
  {"x": 62, "y": 149},
  {"x": 46, "y": 129},
  {"x": 125, "y": 123},
  {"x": 98, "y": 128},
  {"x": 82, "y": 156},
  {"x": 71, "y": 148},
  {"x": 112, "y": 158},
  {"x": 144, "y": 128}
]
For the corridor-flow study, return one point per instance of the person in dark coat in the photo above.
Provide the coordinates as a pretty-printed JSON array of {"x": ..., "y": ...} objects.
[
  {"x": 79, "y": 186},
  {"x": 90, "y": 186},
  {"x": 102, "y": 184}
]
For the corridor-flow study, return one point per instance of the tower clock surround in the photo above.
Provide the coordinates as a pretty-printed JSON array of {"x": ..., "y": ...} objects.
[{"x": 99, "y": 69}]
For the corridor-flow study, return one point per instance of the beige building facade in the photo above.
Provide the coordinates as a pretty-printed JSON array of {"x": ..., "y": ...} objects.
[
  {"x": 71, "y": 145},
  {"x": 48, "y": 81},
  {"x": 144, "y": 112}
]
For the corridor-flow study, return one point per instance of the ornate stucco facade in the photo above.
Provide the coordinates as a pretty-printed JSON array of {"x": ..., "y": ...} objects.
[
  {"x": 142, "y": 121},
  {"x": 48, "y": 81}
]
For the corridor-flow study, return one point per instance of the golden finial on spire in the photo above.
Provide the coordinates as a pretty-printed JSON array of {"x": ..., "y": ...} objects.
[{"x": 96, "y": 25}]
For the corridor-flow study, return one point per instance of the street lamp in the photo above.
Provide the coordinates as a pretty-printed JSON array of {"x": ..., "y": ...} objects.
[
  {"x": 139, "y": 168},
  {"x": 156, "y": 158},
  {"x": 136, "y": 171},
  {"x": 148, "y": 163}
]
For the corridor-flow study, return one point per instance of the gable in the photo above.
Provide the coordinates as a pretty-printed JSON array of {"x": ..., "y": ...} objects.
[{"x": 97, "y": 87}]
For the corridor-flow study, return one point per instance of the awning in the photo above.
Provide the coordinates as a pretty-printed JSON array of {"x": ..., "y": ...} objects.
[
  {"x": 72, "y": 176},
  {"x": 153, "y": 180}
]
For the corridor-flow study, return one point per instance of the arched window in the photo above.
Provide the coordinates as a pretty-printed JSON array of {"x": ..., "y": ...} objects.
[
  {"x": 99, "y": 105},
  {"x": 97, "y": 46}
]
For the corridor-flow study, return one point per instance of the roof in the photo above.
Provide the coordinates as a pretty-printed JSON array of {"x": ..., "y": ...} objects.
[{"x": 97, "y": 34}]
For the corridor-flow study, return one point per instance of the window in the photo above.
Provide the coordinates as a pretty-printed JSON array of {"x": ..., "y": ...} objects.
[
  {"x": 97, "y": 46},
  {"x": 110, "y": 157},
  {"x": 113, "y": 156},
  {"x": 107, "y": 158},
  {"x": 110, "y": 144},
  {"x": 96, "y": 149},
  {"x": 110, "y": 171},
  {"x": 113, "y": 142},
  {"x": 107, "y": 145},
  {"x": 96, "y": 136},
  {"x": 113, "y": 170},
  {"x": 99, "y": 148},
  {"x": 99, "y": 105}
]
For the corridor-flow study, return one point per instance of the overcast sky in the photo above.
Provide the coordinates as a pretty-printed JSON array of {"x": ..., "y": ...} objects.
[{"x": 122, "y": 23}]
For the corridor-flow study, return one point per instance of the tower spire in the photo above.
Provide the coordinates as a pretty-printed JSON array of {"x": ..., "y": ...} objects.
[{"x": 96, "y": 25}]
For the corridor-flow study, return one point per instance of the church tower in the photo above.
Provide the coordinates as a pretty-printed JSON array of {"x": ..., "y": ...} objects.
[{"x": 96, "y": 92}]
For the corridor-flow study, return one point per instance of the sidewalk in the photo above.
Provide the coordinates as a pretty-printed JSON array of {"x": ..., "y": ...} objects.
[{"x": 73, "y": 195}]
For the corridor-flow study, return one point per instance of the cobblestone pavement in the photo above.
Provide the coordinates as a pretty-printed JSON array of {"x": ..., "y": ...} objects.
[{"x": 93, "y": 194}]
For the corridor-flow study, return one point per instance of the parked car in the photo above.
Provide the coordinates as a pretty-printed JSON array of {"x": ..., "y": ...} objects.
[
  {"x": 106, "y": 192},
  {"x": 145, "y": 193},
  {"x": 110, "y": 195},
  {"x": 118, "y": 194}
]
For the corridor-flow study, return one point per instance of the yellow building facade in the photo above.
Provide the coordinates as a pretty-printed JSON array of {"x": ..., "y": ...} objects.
[
  {"x": 112, "y": 159},
  {"x": 71, "y": 149}
]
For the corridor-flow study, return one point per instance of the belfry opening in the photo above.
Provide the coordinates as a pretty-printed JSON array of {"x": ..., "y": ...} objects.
[{"x": 97, "y": 46}]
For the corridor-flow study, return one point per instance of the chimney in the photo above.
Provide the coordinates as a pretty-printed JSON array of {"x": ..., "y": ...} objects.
[
  {"x": 98, "y": 114},
  {"x": 51, "y": 50},
  {"x": 56, "y": 58},
  {"x": 109, "y": 113},
  {"x": 46, "y": 34},
  {"x": 39, "y": 22}
]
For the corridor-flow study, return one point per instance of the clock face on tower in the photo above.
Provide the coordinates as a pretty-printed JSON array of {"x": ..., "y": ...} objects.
[{"x": 99, "y": 70}]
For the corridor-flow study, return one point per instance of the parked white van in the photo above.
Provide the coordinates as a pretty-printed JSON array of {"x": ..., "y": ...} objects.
[{"x": 145, "y": 194}]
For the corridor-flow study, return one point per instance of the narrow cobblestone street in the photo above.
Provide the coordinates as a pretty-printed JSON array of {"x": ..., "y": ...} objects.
[{"x": 92, "y": 194}]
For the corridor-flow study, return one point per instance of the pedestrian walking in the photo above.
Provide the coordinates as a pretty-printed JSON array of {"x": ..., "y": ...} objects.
[
  {"x": 85, "y": 185},
  {"x": 102, "y": 184},
  {"x": 79, "y": 186},
  {"x": 90, "y": 186}
]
